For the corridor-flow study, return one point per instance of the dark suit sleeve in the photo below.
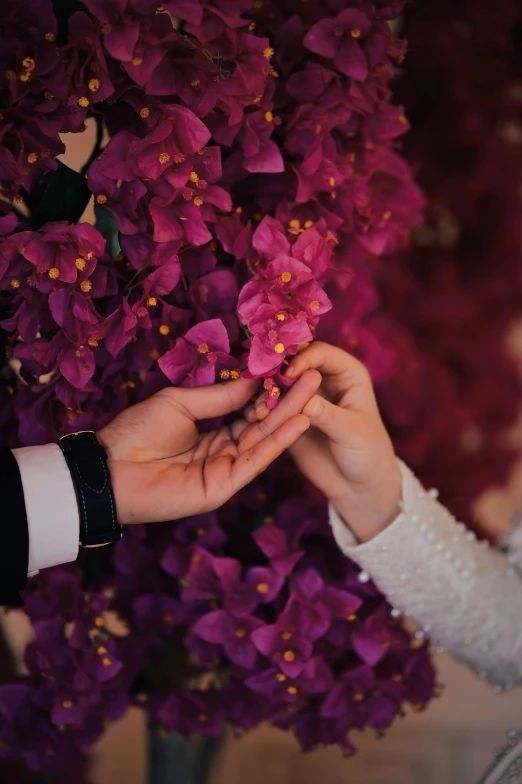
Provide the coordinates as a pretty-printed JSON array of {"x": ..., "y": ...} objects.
[{"x": 14, "y": 534}]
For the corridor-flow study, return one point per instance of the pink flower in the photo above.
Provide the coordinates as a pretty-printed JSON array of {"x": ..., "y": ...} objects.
[
  {"x": 274, "y": 339},
  {"x": 339, "y": 38},
  {"x": 198, "y": 358}
]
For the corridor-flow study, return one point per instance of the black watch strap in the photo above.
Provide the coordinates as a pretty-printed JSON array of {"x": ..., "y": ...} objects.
[{"x": 87, "y": 462}]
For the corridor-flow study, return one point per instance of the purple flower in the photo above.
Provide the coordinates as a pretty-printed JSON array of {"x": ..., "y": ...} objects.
[
  {"x": 274, "y": 338},
  {"x": 339, "y": 38},
  {"x": 232, "y": 632},
  {"x": 315, "y": 678},
  {"x": 199, "y": 357},
  {"x": 273, "y": 542}
]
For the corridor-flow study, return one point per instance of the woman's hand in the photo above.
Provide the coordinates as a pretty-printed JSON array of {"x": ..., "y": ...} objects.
[
  {"x": 347, "y": 453},
  {"x": 163, "y": 468}
]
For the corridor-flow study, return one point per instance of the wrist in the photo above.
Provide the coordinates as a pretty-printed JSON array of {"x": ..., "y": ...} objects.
[{"x": 369, "y": 509}]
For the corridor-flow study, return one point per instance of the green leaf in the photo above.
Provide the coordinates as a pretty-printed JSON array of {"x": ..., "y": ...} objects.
[
  {"x": 108, "y": 227},
  {"x": 65, "y": 196}
]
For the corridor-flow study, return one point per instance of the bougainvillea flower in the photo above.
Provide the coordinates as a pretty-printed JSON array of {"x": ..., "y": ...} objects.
[
  {"x": 339, "y": 38},
  {"x": 197, "y": 359},
  {"x": 233, "y": 633},
  {"x": 274, "y": 338}
]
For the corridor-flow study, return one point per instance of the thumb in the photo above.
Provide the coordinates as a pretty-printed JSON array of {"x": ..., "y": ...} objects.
[
  {"x": 332, "y": 420},
  {"x": 217, "y": 400}
]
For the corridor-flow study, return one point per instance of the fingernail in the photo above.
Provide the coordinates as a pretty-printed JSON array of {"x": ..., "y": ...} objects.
[
  {"x": 290, "y": 371},
  {"x": 316, "y": 410}
]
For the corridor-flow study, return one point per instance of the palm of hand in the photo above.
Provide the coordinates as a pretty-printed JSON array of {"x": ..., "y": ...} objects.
[{"x": 163, "y": 468}]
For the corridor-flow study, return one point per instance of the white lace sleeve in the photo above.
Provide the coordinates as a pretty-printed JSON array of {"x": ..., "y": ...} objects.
[{"x": 463, "y": 594}]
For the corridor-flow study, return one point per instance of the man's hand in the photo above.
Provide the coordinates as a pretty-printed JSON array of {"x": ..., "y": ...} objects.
[{"x": 163, "y": 468}]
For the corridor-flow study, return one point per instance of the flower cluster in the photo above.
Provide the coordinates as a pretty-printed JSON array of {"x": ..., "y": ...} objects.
[{"x": 251, "y": 181}]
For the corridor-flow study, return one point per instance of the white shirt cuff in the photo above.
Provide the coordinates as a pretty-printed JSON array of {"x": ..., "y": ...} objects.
[{"x": 52, "y": 509}]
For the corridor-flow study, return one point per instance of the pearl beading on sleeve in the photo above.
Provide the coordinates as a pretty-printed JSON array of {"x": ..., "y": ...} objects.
[{"x": 463, "y": 594}]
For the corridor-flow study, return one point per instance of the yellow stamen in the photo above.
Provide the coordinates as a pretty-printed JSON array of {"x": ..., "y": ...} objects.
[
  {"x": 402, "y": 118},
  {"x": 144, "y": 113},
  {"x": 152, "y": 301},
  {"x": 292, "y": 690},
  {"x": 86, "y": 286},
  {"x": 15, "y": 283},
  {"x": 83, "y": 101},
  {"x": 94, "y": 85},
  {"x": 289, "y": 656},
  {"x": 154, "y": 354},
  {"x": 32, "y": 157},
  {"x": 101, "y": 650},
  {"x": 25, "y": 77},
  {"x": 101, "y": 198},
  {"x": 18, "y": 199},
  {"x": 331, "y": 181},
  {"x": 280, "y": 316},
  {"x": 351, "y": 617},
  {"x": 195, "y": 83},
  {"x": 251, "y": 26},
  {"x": 224, "y": 374},
  {"x": 286, "y": 277},
  {"x": 355, "y": 33},
  {"x": 358, "y": 696},
  {"x": 262, "y": 588},
  {"x": 286, "y": 635},
  {"x": 268, "y": 52},
  {"x": 203, "y": 348},
  {"x": 164, "y": 329},
  {"x": 48, "y": 95},
  {"x": 49, "y": 36},
  {"x": 240, "y": 633},
  {"x": 234, "y": 374},
  {"x": 279, "y": 348},
  {"x": 269, "y": 116},
  {"x": 386, "y": 215},
  {"x": 201, "y": 531},
  {"x": 137, "y": 60},
  {"x": 93, "y": 342},
  {"x": 198, "y": 201},
  {"x": 67, "y": 704},
  {"x": 106, "y": 661},
  {"x": 80, "y": 263},
  {"x": 193, "y": 176},
  {"x": 28, "y": 63},
  {"x": 54, "y": 272},
  {"x": 314, "y": 304},
  {"x": 274, "y": 392},
  {"x": 164, "y": 157},
  {"x": 309, "y": 224},
  {"x": 295, "y": 223}
]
